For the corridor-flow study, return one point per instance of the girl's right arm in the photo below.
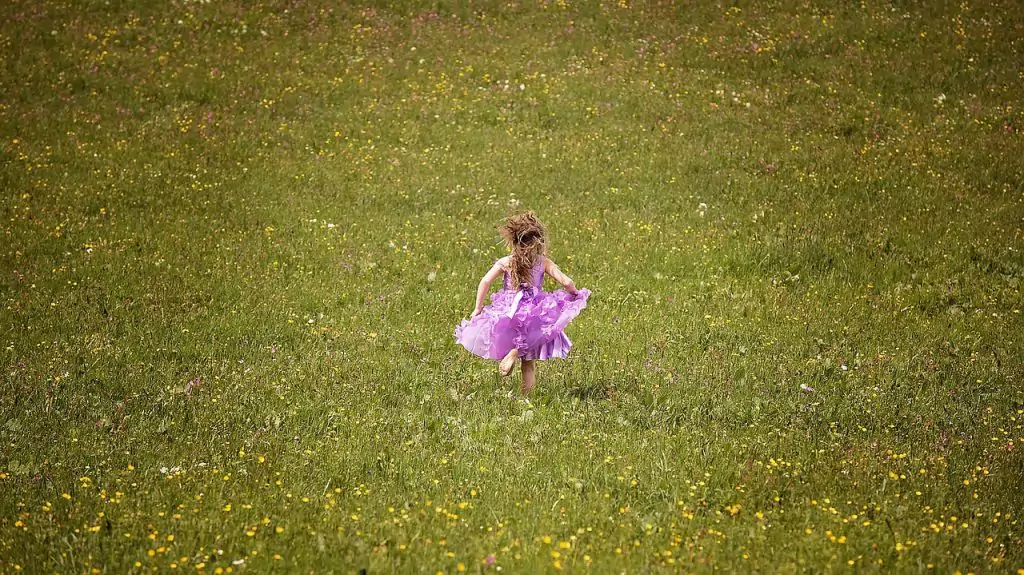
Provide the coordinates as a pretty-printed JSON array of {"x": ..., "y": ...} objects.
[
  {"x": 557, "y": 274},
  {"x": 485, "y": 286}
]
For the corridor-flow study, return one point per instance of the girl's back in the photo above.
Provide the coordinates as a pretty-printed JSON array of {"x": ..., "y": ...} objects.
[{"x": 536, "y": 274}]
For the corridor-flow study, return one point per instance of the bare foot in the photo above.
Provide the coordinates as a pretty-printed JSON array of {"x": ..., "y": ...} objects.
[{"x": 509, "y": 361}]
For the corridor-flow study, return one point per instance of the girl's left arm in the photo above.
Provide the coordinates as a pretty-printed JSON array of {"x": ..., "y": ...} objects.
[{"x": 485, "y": 286}]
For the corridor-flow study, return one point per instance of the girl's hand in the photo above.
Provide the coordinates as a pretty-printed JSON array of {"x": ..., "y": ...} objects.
[{"x": 475, "y": 313}]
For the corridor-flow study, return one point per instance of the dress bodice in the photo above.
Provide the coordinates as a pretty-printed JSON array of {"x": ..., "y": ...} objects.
[{"x": 536, "y": 276}]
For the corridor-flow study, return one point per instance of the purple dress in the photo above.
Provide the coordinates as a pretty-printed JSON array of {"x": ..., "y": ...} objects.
[{"x": 528, "y": 319}]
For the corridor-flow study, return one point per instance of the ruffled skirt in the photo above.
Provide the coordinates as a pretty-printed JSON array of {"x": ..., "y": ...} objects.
[{"x": 530, "y": 320}]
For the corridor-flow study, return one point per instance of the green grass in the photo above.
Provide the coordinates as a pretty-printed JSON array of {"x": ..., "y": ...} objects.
[{"x": 222, "y": 351}]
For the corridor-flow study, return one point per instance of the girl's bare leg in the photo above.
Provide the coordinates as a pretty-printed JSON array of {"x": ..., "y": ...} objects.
[
  {"x": 529, "y": 368},
  {"x": 506, "y": 365}
]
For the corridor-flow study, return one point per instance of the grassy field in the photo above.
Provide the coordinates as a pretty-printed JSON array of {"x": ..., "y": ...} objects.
[{"x": 237, "y": 237}]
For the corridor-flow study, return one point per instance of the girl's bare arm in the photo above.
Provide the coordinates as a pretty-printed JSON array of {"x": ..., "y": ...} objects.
[
  {"x": 556, "y": 274},
  {"x": 485, "y": 285}
]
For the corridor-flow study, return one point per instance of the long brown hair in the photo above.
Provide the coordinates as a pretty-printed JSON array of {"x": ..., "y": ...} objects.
[{"x": 527, "y": 237}]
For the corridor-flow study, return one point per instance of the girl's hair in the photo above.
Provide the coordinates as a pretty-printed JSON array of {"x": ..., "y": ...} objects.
[{"x": 526, "y": 236}]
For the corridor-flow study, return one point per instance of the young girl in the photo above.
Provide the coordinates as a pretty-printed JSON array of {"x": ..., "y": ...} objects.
[{"x": 522, "y": 322}]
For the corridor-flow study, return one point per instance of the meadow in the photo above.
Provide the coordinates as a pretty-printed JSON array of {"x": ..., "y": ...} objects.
[{"x": 237, "y": 238}]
